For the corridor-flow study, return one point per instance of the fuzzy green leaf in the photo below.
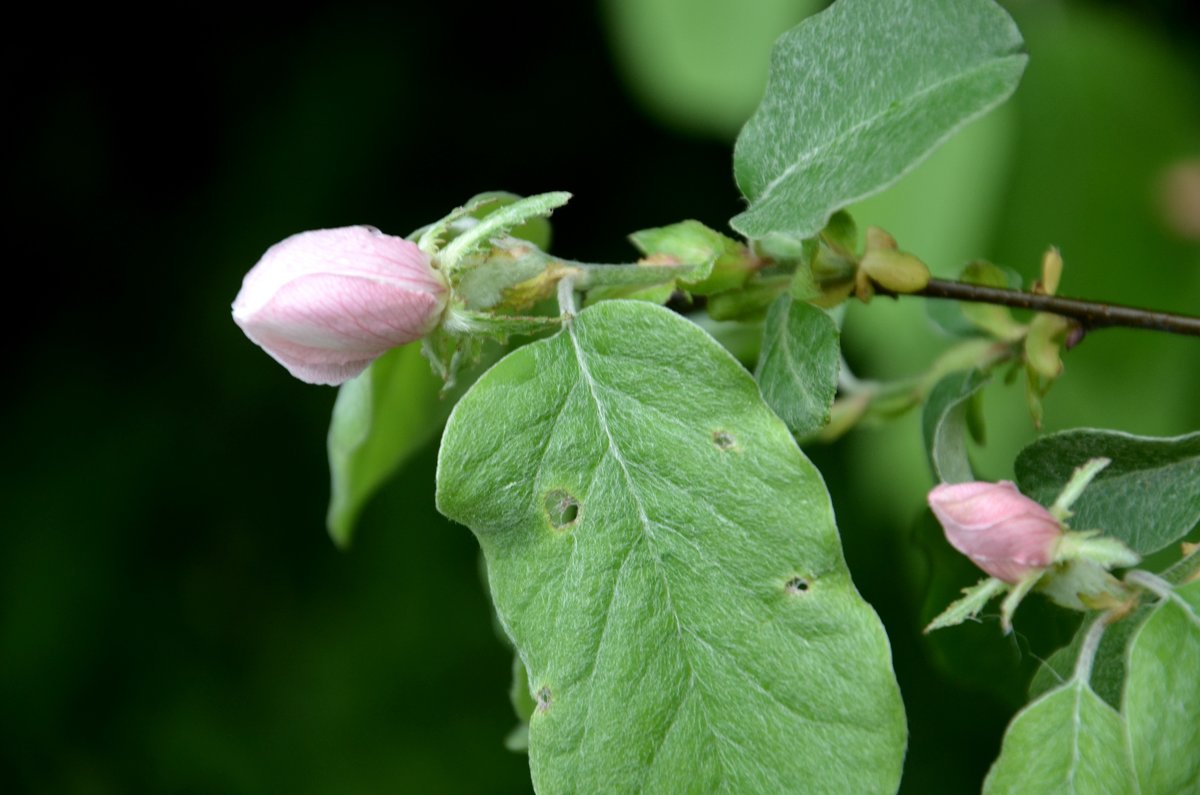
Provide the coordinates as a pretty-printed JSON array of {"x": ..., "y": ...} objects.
[
  {"x": 1148, "y": 497},
  {"x": 798, "y": 364},
  {"x": 666, "y": 562},
  {"x": 859, "y": 94},
  {"x": 1162, "y": 695},
  {"x": 1068, "y": 742}
]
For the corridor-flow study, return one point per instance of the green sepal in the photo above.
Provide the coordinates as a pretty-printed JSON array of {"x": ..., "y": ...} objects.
[
  {"x": 496, "y": 224},
  {"x": 514, "y": 274},
  {"x": 973, "y": 600},
  {"x": 536, "y": 230}
]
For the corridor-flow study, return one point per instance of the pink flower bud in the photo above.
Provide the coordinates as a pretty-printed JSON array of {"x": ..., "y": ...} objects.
[
  {"x": 325, "y": 304},
  {"x": 1001, "y": 530}
]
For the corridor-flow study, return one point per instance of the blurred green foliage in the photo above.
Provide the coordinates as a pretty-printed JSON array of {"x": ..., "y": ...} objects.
[
  {"x": 699, "y": 65},
  {"x": 173, "y": 617}
]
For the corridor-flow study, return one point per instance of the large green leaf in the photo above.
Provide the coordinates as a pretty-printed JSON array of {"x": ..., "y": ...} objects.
[
  {"x": 380, "y": 418},
  {"x": 798, "y": 363},
  {"x": 1149, "y": 496},
  {"x": 859, "y": 94},
  {"x": 1162, "y": 695},
  {"x": 666, "y": 562},
  {"x": 1068, "y": 742}
]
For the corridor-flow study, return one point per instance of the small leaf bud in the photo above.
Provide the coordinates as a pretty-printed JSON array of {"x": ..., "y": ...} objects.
[{"x": 895, "y": 270}]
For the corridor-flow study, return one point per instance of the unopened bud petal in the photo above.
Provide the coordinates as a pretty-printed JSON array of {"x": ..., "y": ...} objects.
[
  {"x": 326, "y": 303},
  {"x": 1002, "y": 531}
]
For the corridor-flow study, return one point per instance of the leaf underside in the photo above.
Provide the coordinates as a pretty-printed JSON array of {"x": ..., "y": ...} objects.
[
  {"x": 666, "y": 562},
  {"x": 1148, "y": 497},
  {"x": 944, "y": 425},
  {"x": 380, "y": 419}
]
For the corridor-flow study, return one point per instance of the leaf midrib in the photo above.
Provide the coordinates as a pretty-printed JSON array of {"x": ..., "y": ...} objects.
[{"x": 615, "y": 452}]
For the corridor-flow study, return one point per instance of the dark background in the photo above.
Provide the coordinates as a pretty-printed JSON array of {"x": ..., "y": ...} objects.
[{"x": 173, "y": 617}]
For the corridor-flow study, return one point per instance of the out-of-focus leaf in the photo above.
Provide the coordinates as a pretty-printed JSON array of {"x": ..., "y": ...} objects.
[
  {"x": 1148, "y": 497},
  {"x": 380, "y": 418},
  {"x": 830, "y": 132},
  {"x": 944, "y": 423},
  {"x": 1162, "y": 695},
  {"x": 700, "y": 64},
  {"x": 944, "y": 211},
  {"x": 1106, "y": 89},
  {"x": 976, "y": 654},
  {"x": 523, "y": 704}
]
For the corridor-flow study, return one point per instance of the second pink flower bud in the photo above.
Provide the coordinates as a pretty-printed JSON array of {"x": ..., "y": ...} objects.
[{"x": 1002, "y": 531}]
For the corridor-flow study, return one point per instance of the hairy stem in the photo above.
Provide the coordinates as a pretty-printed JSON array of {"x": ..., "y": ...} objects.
[
  {"x": 1088, "y": 314},
  {"x": 1091, "y": 643}
]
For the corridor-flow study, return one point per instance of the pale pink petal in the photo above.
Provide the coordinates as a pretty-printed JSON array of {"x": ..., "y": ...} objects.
[
  {"x": 1001, "y": 530},
  {"x": 327, "y": 303}
]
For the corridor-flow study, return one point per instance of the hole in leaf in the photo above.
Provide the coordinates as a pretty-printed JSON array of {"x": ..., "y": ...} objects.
[
  {"x": 562, "y": 509},
  {"x": 796, "y": 585},
  {"x": 724, "y": 440},
  {"x": 543, "y": 698}
]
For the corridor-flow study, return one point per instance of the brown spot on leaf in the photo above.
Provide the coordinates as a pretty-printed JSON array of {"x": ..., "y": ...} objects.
[
  {"x": 724, "y": 440},
  {"x": 797, "y": 585},
  {"x": 543, "y": 698},
  {"x": 562, "y": 509}
]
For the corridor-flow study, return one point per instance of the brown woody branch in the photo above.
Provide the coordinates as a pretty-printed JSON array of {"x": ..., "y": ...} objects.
[{"x": 1089, "y": 315}]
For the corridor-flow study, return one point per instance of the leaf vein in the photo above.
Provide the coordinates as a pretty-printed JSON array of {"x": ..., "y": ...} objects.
[{"x": 615, "y": 452}]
